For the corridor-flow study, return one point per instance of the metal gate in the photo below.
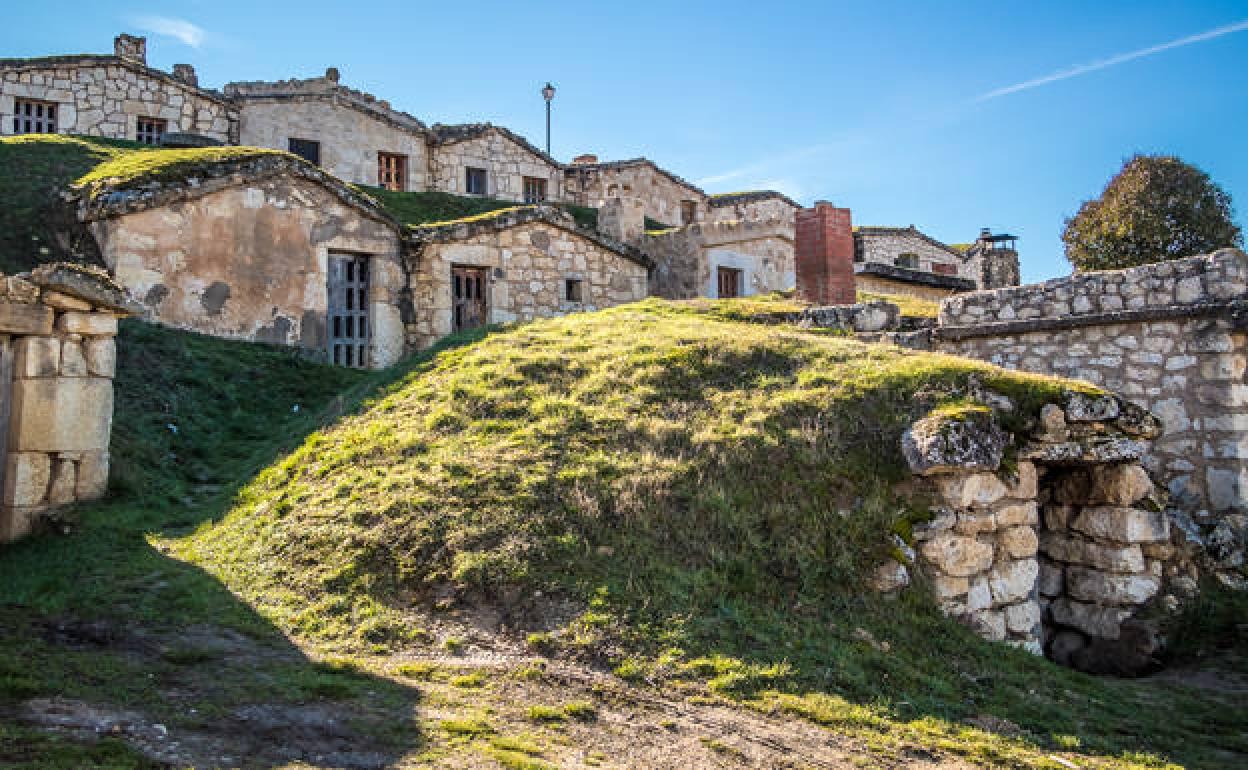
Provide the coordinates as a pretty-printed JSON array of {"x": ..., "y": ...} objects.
[
  {"x": 348, "y": 310},
  {"x": 468, "y": 289}
]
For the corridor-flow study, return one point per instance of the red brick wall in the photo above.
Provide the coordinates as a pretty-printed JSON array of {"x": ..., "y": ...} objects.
[{"x": 825, "y": 255}]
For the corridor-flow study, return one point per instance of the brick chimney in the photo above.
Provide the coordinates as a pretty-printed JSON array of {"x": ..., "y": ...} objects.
[
  {"x": 825, "y": 255},
  {"x": 581, "y": 160},
  {"x": 131, "y": 48}
]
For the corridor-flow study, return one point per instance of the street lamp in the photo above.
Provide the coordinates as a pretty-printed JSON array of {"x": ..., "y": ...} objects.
[{"x": 548, "y": 93}]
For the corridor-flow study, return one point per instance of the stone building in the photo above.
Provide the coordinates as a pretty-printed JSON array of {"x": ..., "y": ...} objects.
[
  {"x": 116, "y": 96},
  {"x": 492, "y": 162},
  {"x": 755, "y": 204},
  {"x": 903, "y": 260},
  {"x": 264, "y": 247},
  {"x": 514, "y": 265},
  {"x": 723, "y": 259},
  {"x": 351, "y": 134},
  {"x": 669, "y": 200}
]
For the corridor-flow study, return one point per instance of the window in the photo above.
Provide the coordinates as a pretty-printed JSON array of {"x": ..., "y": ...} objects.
[
  {"x": 474, "y": 184},
  {"x": 729, "y": 283},
  {"x": 688, "y": 212},
  {"x": 534, "y": 189},
  {"x": 907, "y": 259},
  {"x": 307, "y": 149},
  {"x": 573, "y": 290},
  {"x": 31, "y": 117},
  {"x": 150, "y": 130},
  {"x": 942, "y": 268},
  {"x": 392, "y": 171}
]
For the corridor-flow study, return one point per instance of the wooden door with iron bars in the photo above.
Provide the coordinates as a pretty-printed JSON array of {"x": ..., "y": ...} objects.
[
  {"x": 469, "y": 291},
  {"x": 348, "y": 320}
]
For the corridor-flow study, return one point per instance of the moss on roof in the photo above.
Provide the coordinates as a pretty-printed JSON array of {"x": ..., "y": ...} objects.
[
  {"x": 962, "y": 247},
  {"x": 482, "y": 217},
  {"x": 131, "y": 169}
]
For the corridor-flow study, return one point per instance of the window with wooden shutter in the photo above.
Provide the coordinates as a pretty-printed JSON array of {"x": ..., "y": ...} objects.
[
  {"x": 392, "y": 171},
  {"x": 688, "y": 212},
  {"x": 534, "y": 189},
  {"x": 33, "y": 117},
  {"x": 150, "y": 130}
]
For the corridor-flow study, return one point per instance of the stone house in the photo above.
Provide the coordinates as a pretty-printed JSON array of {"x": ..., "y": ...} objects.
[
  {"x": 265, "y": 248},
  {"x": 514, "y": 265},
  {"x": 903, "y": 260},
  {"x": 668, "y": 198},
  {"x": 116, "y": 96},
  {"x": 492, "y": 162},
  {"x": 351, "y": 134},
  {"x": 754, "y": 204}
]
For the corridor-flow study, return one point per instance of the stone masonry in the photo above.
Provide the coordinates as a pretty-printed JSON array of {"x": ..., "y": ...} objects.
[
  {"x": 688, "y": 258},
  {"x": 57, "y": 361},
  {"x": 505, "y": 157}
]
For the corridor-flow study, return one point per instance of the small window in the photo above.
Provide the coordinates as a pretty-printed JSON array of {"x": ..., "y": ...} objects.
[
  {"x": 392, "y": 171},
  {"x": 943, "y": 268},
  {"x": 573, "y": 290},
  {"x": 907, "y": 259},
  {"x": 474, "y": 184},
  {"x": 688, "y": 212},
  {"x": 534, "y": 189},
  {"x": 150, "y": 130},
  {"x": 729, "y": 280},
  {"x": 31, "y": 117},
  {"x": 308, "y": 149}
]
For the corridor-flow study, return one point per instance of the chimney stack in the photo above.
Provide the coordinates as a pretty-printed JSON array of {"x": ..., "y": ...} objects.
[
  {"x": 131, "y": 48},
  {"x": 185, "y": 73},
  {"x": 825, "y": 255}
]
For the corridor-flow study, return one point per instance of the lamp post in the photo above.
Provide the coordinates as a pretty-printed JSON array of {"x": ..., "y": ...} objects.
[{"x": 548, "y": 93}]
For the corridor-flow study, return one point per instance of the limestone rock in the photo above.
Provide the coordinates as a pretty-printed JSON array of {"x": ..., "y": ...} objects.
[
  {"x": 1092, "y": 619},
  {"x": 1075, "y": 550},
  {"x": 92, "y": 480},
  {"x": 1022, "y": 618},
  {"x": 101, "y": 354},
  {"x": 947, "y": 587},
  {"x": 1053, "y": 424},
  {"x": 1019, "y": 542},
  {"x": 60, "y": 301},
  {"x": 1107, "y": 588},
  {"x": 1105, "y": 484},
  {"x": 958, "y": 556},
  {"x": 989, "y": 624},
  {"x": 1026, "y": 483},
  {"x": 88, "y": 324},
  {"x": 1017, "y": 514},
  {"x": 61, "y": 414},
  {"x": 890, "y": 577},
  {"x": 1050, "y": 582},
  {"x": 1012, "y": 581},
  {"x": 975, "y": 522},
  {"x": 1124, "y": 525},
  {"x": 61, "y": 490},
  {"x": 1226, "y": 543},
  {"x": 964, "y": 491},
  {"x": 26, "y": 478},
  {"x": 36, "y": 357},
  {"x": 1081, "y": 407},
  {"x": 1089, "y": 451},
  {"x": 941, "y": 444},
  {"x": 84, "y": 283},
  {"x": 979, "y": 596},
  {"x": 73, "y": 362}
]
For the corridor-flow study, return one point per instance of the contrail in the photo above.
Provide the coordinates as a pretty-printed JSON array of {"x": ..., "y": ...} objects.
[{"x": 1083, "y": 69}]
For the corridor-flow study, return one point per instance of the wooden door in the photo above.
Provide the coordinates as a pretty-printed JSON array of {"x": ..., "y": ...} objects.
[
  {"x": 729, "y": 283},
  {"x": 348, "y": 310},
  {"x": 469, "y": 287}
]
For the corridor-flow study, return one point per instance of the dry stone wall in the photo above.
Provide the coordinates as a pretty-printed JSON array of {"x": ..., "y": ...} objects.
[
  {"x": 1170, "y": 337},
  {"x": 57, "y": 362},
  {"x": 739, "y": 206},
  {"x": 528, "y": 255},
  {"x": 104, "y": 96}
]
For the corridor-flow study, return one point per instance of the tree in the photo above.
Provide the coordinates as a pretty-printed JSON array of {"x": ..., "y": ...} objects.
[{"x": 1157, "y": 208}]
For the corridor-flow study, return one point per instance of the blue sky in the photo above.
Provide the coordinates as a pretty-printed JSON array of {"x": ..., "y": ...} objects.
[{"x": 947, "y": 115}]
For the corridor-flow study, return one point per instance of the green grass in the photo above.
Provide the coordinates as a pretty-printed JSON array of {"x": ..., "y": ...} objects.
[
  {"x": 130, "y": 169},
  {"x": 439, "y": 208}
]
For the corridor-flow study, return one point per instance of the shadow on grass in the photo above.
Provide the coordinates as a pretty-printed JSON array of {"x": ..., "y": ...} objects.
[{"x": 102, "y": 633}]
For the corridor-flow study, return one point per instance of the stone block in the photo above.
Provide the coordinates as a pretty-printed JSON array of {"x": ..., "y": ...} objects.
[
  {"x": 1022, "y": 618},
  {"x": 989, "y": 624},
  {"x": 88, "y": 324},
  {"x": 1085, "y": 408},
  {"x": 60, "y": 301},
  {"x": 73, "y": 362},
  {"x": 62, "y": 489},
  {"x": 1227, "y": 487},
  {"x": 1092, "y": 619},
  {"x": 1019, "y": 542},
  {"x": 979, "y": 595},
  {"x": 25, "y": 318},
  {"x": 36, "y": 357},
  {"x": 1106, "y": 588},
  {"x": 1123, "y": 525},
  {"x": 963, "y": 491},
  {"x": 18, "y": 522},
  {"x": 946, "y": 587},
  {"x": 61, "y": 414},
  {"x": 1106, "y": 484},
  {"x": 975, "y": 522},
  {"x": 101, "y": 354},
  {"x": 1051, "y": 581},
  {"x": 1012, "y": 581},
  {"x": 1073, "y": 550},
  {"x": 92, "y": 480},
  {"x": 1026, "y": 486},
  {"x": 940, "y": 444},
  {"x": 1017, "y": 514},
  {"x": 956, "y": 555},
  {"x": 26, "y": 478},
  {"x": 1057, "y": 517}
]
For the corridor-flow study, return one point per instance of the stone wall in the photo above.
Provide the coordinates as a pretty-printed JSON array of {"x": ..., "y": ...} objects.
[
  {"x": 57, "y": 361},
  {"x": 530, "y": 254},
  {"x": 740, "y": 206},
  {"x": 248, "y": 258},
  {"x": 592, "y": 184},
  {"x": 1065, "y": 551},
  {"x": 506, "y": 162},
  {"x": 350, "y": 137},
  {"x": 688, "y": 258},
  {"x": 105, "y": 96},
  {"x": 1168, "y": 336},
  {"x": 885, "y": 285}
]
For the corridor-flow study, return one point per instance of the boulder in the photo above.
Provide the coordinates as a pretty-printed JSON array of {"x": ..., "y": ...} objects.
[
  {"x": 970, "y": 440},
  {"x": 964, "y": 491}
]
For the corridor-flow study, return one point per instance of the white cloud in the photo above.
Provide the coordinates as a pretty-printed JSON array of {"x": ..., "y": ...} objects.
[
  {"x": 180, "y": 29},
  {"x": 1100, "y": 64}
]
